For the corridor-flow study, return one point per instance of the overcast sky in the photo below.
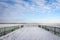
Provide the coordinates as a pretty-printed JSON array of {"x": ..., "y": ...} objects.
[{"x": 40, "y": 11}]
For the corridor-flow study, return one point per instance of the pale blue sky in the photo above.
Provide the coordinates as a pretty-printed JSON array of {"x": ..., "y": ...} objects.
[{"x": 31, "y": 11}]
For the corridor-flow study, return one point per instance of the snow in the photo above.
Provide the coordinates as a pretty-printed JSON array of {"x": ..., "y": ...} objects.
[
  {"x": 9, "y": 25},
  {"x": 31, "y": 33}
]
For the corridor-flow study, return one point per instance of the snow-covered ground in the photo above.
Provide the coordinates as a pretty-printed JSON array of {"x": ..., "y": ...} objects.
[
  {"x": 51, "y": 24},
  {"x": 8, "y": 25},
  {"x": 30, "y": 33},
  {"x": 34, "y": 24}
]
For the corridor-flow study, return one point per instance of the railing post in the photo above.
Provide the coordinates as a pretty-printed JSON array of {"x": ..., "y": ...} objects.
[
  {"x": 54, "y": 30},
  {"x": 39, "y": 25},
  {"x": 22, "y": 26}
]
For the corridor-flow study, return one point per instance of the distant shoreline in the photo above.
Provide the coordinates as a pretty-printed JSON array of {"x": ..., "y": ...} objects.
[
  {"x": 29, "y": 23},
  {"x": 13, "y": 23}
]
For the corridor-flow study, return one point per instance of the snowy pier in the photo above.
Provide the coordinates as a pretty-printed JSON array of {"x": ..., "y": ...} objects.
[{"x": 30, "y": 33}]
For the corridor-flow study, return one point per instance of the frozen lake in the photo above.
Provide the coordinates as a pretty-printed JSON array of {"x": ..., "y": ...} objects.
[
  {"x": 31, "y": 33},
  {"x": 8, "y": 25},
  {"x": 36, "y": 24}
]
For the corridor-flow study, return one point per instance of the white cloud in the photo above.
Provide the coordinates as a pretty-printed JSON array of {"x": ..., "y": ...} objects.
[
  {"x": 22, "y": 9},
  {"x": 21, "y": 5}
]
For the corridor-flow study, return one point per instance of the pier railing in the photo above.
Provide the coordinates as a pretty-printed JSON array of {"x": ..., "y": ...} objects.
[
  {"x": 6, "y": 30},
  {"x": 55, "y": 30}
]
